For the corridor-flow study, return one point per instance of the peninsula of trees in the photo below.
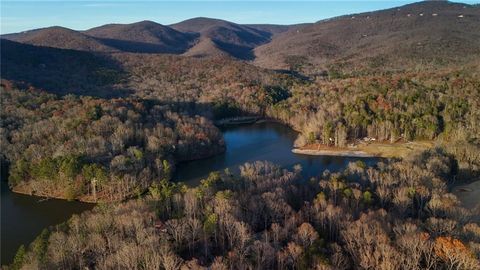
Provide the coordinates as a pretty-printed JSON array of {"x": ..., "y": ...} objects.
[{"x": 95, "y": 149}]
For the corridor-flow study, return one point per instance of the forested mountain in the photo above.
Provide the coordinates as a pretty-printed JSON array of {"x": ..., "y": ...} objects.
[
  {"x": 163, "y": 77},
  {"x": 197, "y": 37},
  {"x": 59, "y": 37},
  {"x": 60, "y": 71},
  {"x": 206, "y": 47},
  {"x": 421, "y": 35},
  {"x": 143, "y": 37},
  {"x": 234, "y": 39},
  {"x": 273, "y": 29}
]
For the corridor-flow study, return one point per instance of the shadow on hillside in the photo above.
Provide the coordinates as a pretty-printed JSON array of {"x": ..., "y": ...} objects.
[
  {"x": 240, "y": 52},
  {"x": 143, "y": 47},
  {"x": 206, "y": 109},
  {"x": 62, "y": 71},
  {"x": 293, "y": 73}
]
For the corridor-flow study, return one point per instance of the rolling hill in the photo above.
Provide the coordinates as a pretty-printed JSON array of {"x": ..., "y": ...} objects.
[
  {"x": 140, "y": 37},
  {"x": 143, "y": 37},
  {"x": 198, "y": 37},
  {"x": 425, "y": 34},
  {"x": 234, "y": 39},
  {"x": 59, "y": 37},
  {"x": 60, "y": 71},
  {"x": 206, "y": 47}
]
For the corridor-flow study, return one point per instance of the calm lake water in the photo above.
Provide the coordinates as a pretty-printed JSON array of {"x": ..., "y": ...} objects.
[
  {"x": 261, "y": 141},
  {"x": 24, "y": 217}
]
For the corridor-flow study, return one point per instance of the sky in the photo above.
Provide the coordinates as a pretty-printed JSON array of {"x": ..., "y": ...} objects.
[{"x": 17, "y": 16}]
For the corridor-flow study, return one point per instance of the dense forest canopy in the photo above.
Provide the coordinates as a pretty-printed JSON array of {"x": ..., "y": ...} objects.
[
  {"x": 397, "y": 215},
  {"x": 389, "y": 107},
  {"x": 95, "y": 149}
]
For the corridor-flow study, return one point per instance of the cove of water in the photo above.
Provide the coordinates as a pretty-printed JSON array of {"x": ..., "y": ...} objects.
[
  {"x": 268, "y": 141},
  {"x": 24, "y": 217}
]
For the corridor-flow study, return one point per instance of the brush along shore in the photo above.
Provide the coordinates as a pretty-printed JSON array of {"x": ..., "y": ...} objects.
[{"x": 371, "y": 149}]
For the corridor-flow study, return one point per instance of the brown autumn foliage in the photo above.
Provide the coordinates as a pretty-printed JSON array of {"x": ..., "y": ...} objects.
[
  {"x": 397, "y": 214},
  {"x": 417, "y": 36},
  {"x": 96, "y": 149},
  {"x": 271, "y": 218}
]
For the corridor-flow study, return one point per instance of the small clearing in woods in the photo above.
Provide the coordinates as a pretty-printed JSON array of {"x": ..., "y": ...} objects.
[{"x": 363, "y": 149}]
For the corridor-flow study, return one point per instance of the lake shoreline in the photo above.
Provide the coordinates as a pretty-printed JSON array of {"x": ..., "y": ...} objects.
[
  {"x": 241, "y": 120},
  {"x": 25, "y": 189},
  {"x": 338, "y": 152},
  {"x": 363, "y": 149}
]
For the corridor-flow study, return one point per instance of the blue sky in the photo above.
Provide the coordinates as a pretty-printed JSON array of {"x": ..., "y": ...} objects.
[{"x": 19, "y": 16}]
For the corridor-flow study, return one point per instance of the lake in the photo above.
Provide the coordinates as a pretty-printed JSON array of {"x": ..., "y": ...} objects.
[
  {"x": 24, "y": 217},
  {"x": 260, "y": 141}
]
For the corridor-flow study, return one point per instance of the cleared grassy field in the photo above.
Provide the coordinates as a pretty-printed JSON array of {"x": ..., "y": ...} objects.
[
  {"x": 378, "y": 149},
  {"x": 399, "y": 149}
]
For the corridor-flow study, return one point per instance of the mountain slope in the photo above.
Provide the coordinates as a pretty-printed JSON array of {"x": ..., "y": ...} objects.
[
  {"x": 58, "y": 70},
  {"x": 424, "y": 33},
  {"x": 273, "y": 29},
  {"x": 59, "y": 37},
  {"x": 205, "y": 47},
  {"x": 143, "y": 37},
  {"x": 204, "y": 36},
  {"x": 224, "y": 31},
  {"x": 235, "y": 39}
]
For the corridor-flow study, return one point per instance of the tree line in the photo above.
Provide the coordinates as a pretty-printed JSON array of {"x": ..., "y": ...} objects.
[{"x": 389, "y": 108}]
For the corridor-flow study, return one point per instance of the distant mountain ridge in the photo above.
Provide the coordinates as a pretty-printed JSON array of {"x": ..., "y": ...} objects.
[
  {"x": 422, "y": 34},
  {"x": 143, "y": 37},
  {"x": 234, "y": 39},
  {"x": 204, "y": 36},
  {"x": 59, "y": 37}
]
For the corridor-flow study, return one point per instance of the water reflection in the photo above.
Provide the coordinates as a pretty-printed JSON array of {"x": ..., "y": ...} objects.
[
  {"x": 24, "y": 217},
  {"x": 261, "y": 141}
]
